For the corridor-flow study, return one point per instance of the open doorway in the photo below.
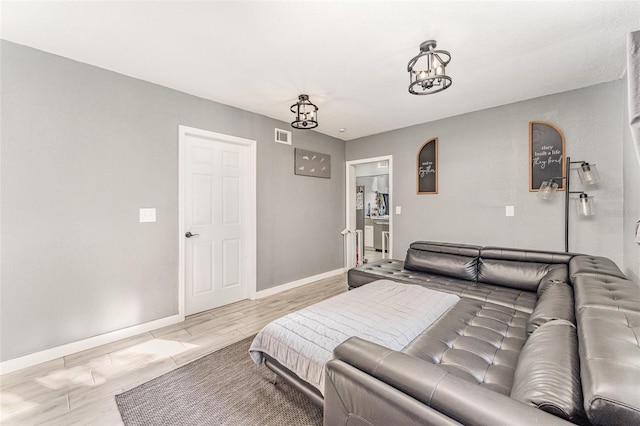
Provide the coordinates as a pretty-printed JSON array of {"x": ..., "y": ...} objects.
[{"x": 369, "y": 205}]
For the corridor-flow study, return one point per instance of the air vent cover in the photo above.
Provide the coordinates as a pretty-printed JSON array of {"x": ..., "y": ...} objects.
[{"x": 283, "y": 136}]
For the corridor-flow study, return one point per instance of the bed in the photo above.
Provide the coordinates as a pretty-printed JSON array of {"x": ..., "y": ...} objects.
[{"x": 297, "y": 346}]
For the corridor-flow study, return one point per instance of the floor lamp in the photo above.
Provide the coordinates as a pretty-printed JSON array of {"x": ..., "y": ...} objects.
[{"x": 588, "y": 175}]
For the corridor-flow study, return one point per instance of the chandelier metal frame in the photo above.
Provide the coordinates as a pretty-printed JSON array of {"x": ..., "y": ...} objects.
[
  {"x": 433, "y": 78},
  {"x": 306, "y": 114}
]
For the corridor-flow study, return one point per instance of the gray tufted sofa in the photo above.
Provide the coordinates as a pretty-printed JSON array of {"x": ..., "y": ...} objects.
[{"x": 536, "y": 338}]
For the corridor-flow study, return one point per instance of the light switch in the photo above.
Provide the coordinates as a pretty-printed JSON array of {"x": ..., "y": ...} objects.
[
  {"x": 510, "y": 211},
  {"x": 147, "y": 215},
  {"x": 398, "y": 210}
]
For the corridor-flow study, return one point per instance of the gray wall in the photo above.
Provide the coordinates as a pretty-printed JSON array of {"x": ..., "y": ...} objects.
[
  {"x": 631, "y": 212},
  {"x": 371, "y": 169},
  {"x": 82, "y": 150},
  {"x": 483, "y": 166}
]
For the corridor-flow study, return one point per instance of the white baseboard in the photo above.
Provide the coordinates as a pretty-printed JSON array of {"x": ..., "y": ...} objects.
[
  {"x": 92, "y": 342},
  {"x": 288, "y": 286},
  {"x": 82, "y": 345}
]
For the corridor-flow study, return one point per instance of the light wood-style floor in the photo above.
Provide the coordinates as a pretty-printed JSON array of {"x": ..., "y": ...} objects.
[
  {"x": 372, "y": 255},
  {"x": 79, "y": 389}
]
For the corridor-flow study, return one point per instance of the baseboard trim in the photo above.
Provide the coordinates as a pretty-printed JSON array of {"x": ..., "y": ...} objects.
[
  {"x": 82, "y": 345},
  {"x": 293, "y": 284},
  {"x": 46, "y": 355}
]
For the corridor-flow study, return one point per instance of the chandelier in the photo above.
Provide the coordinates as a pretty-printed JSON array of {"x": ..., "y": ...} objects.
[
  {"x": 305, "y": 112},
  {"x": 429, "y": 76}
]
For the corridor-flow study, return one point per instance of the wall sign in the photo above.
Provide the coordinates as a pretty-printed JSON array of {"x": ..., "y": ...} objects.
[
  {"x": 546, "y": 155},
  {"x": 314, "y": 164},
  {"x": 427, "y": 168}
]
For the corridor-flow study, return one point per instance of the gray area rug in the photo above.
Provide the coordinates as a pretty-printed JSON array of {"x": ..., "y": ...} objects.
[{"x": 222, "y": 388}]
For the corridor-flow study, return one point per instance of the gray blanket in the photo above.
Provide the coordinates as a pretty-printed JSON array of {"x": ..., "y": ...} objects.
[{"x": 385, "y": 312}]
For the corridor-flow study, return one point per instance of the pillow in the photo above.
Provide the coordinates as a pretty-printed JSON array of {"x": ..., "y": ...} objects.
[
  {"x": 548, "y": 372},
  {"x": 451, "y": 265}
]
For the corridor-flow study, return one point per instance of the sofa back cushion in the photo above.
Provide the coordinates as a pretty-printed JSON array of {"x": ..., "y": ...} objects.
[
  {"x": 548, "y": 372},
  {"x": 526, "y": 276},
  {"x": 447, "y": 248},
  {"x": 522, "y": 269},
  {"x": 556, "y": 302},
  {"x": 450, "y": 265},
  {"x": 526, "y": 255}
]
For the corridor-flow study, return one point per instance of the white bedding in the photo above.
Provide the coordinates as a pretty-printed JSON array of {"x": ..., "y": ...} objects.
[{"x": 385, "y": 312}]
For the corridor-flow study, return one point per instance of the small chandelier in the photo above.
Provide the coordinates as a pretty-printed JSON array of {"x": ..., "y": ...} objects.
[
  {"x": 431, "y": 78},
  {"x": 305, "y": 111}
]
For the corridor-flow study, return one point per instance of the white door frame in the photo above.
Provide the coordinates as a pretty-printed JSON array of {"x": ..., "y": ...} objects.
[
  {"x": 351, "y": 194},
  {"x": 183, "y": 132}
]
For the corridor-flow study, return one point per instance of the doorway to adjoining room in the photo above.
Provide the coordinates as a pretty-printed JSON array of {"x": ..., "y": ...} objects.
[{"x": 369, "y": 188}]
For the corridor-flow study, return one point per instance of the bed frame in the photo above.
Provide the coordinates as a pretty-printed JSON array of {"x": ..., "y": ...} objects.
[{"x": 292, "y": 378}]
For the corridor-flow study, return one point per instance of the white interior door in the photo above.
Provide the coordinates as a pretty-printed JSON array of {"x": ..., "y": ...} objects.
[{"x": 217, "y": 195}]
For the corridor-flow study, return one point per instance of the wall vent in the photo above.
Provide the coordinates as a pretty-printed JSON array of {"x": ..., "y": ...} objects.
[{"x": 283, "y": 136}]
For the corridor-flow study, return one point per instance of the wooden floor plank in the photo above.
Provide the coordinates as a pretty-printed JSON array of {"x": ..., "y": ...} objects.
[{"x": 80, "y": 388}]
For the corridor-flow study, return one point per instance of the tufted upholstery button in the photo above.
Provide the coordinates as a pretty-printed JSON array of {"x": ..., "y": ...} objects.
[
  {"x": 599, "y": 331},
  {"x": 606, "y": 293},
  {"x": 593, "y": 265},
  {"x": 476, "y": 341}
]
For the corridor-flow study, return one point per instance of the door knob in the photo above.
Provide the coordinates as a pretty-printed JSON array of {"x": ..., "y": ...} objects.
[{"x": 189, "y": 234}]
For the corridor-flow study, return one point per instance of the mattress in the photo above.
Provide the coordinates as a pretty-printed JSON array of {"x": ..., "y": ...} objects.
[{"x": 385, "y": 312}]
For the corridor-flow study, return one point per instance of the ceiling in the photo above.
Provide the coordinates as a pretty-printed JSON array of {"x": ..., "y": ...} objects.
[{"x": 349, "y": 56}]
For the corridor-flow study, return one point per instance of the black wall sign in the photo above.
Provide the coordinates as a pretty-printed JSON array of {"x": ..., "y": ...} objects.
[
  {"x": 427, "y": 172},
  {"x": 546, "y": 154}
]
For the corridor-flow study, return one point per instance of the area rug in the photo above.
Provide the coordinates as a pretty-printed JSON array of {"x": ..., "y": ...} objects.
[{"x": 222, "y": 388}]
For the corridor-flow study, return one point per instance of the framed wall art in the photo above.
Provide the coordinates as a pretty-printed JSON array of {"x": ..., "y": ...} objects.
[
  {"x": 427, "y": 168},
  {"x": 314, "y": 164},
  {"x": 546, "y": 155}
]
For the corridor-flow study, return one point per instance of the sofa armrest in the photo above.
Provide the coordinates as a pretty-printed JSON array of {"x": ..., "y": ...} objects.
[
  {"x": 416, "y": 381},
  {"x": 356, "y": 277}
]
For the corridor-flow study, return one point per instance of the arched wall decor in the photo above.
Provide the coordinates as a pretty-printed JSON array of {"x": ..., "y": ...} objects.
[
  {"x": 546, "y": 155},
  {"x": 427, "y": 168}
]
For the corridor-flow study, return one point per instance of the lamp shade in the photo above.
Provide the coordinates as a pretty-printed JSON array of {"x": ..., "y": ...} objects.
[
  {"x": 585, "y": 205},
  {"x": 547, "y": 190},
  {"x": 588, "y": 174}
]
